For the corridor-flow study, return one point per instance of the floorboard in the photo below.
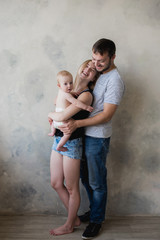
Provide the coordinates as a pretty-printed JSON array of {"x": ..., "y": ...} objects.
[{"x": 37, "y": 228}]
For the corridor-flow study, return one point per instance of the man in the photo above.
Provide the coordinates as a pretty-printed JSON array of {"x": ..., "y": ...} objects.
[{"x": 107, "y": 94}]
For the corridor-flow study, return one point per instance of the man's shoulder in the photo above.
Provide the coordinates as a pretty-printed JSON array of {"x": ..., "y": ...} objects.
[
  {"x": 115, "y": 78},
  {"x": 109, "y": 77}
]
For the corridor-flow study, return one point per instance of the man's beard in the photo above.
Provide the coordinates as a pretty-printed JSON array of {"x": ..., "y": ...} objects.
[{"x": 105, "y": 69}]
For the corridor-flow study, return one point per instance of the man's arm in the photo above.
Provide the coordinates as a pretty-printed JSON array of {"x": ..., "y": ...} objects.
[{"x": 103, "y": 117}]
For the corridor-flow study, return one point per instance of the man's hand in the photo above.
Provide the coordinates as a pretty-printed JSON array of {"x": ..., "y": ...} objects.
[{"x": 68, "y": 127}]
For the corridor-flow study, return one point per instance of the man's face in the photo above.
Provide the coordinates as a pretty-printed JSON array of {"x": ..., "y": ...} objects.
[{"x": 102, "y": 62}]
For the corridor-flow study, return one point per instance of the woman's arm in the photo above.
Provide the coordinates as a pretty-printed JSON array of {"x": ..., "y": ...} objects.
[
  {"x": 71, "y": 110},
  {"x": 77, "y": 102}
]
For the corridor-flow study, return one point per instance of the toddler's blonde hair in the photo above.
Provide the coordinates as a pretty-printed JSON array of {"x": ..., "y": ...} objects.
[{"x": 62, "y": 74}]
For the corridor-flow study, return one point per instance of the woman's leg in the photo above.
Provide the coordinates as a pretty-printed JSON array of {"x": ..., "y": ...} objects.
[
  {"x": 57, "y": 177},
  {"x": 71, "y": 169}
]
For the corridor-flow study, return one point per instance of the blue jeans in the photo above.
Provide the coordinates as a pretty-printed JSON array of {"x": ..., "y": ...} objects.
[{"x": 94, "y": 176}]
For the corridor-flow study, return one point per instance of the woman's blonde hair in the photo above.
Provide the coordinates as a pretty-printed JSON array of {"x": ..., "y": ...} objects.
[{"x": 77, "y": 79}]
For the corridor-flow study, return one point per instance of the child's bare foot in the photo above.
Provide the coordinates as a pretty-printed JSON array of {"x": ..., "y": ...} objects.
[
  {"x": 62, "y": 149},
  {"x": 51, "y": 134},
  {"x": 61, "y": 230}
]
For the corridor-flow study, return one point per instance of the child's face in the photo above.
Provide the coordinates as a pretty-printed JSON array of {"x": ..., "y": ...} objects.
[{"x": 66, "y": 84}]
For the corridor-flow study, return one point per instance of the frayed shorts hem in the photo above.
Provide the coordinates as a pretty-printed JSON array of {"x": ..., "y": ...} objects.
[{"x": 74, "y": 147}]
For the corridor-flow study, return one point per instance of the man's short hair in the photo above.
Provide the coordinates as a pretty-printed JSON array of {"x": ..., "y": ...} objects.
[{"x": 104, "y": 46}]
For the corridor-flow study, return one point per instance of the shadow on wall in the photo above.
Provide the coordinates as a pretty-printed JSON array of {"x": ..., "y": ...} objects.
[{"x": 125, "y": 161}]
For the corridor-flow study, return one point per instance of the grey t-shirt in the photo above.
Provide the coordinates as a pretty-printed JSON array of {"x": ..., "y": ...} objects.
[{"x": 109, "y": 89}]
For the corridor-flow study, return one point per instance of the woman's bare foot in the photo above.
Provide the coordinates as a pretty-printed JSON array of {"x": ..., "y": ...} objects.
[{"x": 61, "y": 230}]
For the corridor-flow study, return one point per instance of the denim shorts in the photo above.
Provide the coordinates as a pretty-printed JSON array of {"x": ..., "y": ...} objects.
[{"x": 74, "y": 147}]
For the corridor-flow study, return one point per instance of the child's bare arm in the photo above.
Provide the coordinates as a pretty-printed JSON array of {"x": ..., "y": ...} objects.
[
  {"x": 50, "y": 120},
  {"x": 77, "y": 102},
  {"x": 55, "y": 100},
  {"x": 75, "y": 94},
  {"x": 71, "y": 110}
]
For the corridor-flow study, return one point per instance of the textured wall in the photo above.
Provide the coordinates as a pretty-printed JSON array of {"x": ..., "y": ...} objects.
[{"x": 40, "y": 37}]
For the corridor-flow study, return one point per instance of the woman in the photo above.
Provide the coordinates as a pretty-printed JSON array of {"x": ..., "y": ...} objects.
[{"x": 66, "y": 165}]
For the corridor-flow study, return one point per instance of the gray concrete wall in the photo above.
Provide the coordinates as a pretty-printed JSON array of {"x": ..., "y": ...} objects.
[{"x": 37, "y": 39}]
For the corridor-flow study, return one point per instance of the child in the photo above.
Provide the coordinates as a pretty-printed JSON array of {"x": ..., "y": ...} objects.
[{"x": 63, "y": 100}]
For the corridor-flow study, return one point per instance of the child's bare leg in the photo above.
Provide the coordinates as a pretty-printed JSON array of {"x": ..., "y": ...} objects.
[
  {"x": 62, "y": 142},
  {"x": 53, "y": 130}
]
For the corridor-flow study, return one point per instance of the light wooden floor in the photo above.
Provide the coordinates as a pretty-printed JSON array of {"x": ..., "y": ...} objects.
[{"x": 37, "y": 227}]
